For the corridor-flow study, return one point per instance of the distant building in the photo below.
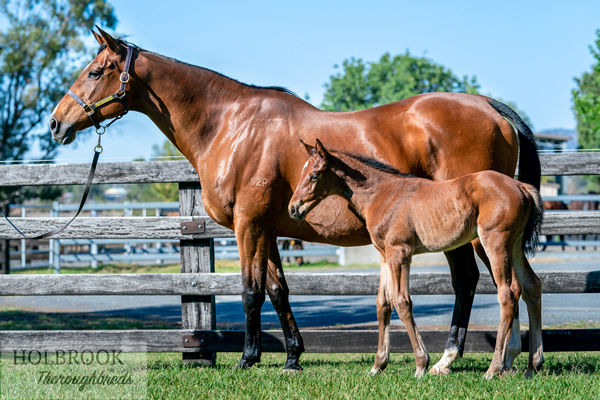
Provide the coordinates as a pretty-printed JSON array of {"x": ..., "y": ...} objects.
[{"x": 115, "y": 194}]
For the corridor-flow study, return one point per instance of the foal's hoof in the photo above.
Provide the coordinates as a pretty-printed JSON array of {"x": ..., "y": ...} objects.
[
  {"x": 419, "y": 373},
  {"x": 375, "y": 371},
  {"x": 439, "y": 370}
]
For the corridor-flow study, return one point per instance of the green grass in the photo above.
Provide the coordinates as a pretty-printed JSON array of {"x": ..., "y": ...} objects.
[{"x": 336, "y": 376}]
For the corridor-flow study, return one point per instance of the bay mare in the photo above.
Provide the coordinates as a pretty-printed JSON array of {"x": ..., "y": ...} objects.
[
  {"x": 243, "y": 142},
  {"x": 406, "y": 215}
]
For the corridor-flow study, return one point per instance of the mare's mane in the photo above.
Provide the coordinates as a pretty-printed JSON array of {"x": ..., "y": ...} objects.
[{"x": 125, "y": 43}]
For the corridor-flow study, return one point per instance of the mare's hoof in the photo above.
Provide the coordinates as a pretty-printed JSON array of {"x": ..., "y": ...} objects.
[
  {"x": 245, "y": 363},
  {"x": 292, "y": 367}
]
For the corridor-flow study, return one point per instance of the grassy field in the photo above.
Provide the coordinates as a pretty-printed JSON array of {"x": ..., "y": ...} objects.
[
  {"x": 336, "y": 376},
  {"x": 326, "y": 376}
]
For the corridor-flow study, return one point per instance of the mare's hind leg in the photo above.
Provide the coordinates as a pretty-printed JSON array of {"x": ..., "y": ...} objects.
[
  {"x": 399, "y": 260},
  {"x": 465, "y": 275},
  {"x": 384, "y": 311},
  {"x": 514, "y": 344},
  {"x": 279, "y": 294},
  {"x": 532, "y": 295}
]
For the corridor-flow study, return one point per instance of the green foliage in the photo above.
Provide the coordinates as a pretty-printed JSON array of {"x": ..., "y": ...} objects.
[
  {"x": 40, "y": 52},
  {"x": 586, "y": 105},
  {"x": 157, "y": 191},
  {"x": 363, "y": 84}
]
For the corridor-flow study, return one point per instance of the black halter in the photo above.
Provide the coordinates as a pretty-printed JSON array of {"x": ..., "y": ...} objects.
[{"x": 119, "y": 96}]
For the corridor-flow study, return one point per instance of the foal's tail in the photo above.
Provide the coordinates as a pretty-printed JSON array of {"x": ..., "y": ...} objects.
[
  {"x": 529, "y": 161},
  {"x": 533, "y": 228}
]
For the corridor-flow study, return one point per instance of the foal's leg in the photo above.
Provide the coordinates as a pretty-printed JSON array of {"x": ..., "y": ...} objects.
[
  {"x": 279, "y": 294},
  {"x": 514, "y": 344},
  {"x": 465, "y": 275},
  {"x": 253, "y": 246},
  {"x": 384, "y": 311},
  {"x": 399, "y": 260},
  {"x": 500, "y": 256},
  {"x": 532, "y": 295}
]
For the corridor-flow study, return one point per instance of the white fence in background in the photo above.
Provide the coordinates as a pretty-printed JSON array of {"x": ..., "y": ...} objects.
[{"x": 156, "y": 251}]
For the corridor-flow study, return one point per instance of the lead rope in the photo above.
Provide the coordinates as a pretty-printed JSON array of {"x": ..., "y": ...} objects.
[{"x": 97, "y": 151}]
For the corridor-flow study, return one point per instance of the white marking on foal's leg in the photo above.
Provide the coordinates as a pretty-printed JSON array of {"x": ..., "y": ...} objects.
[
  {"x": 442, "y": 367},
  {"x": 514, "y": 344}
]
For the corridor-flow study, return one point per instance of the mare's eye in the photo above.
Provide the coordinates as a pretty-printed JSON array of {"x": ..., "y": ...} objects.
[
  {"x": 95, "y": 73},
  {"x": 314, "y": 177}
]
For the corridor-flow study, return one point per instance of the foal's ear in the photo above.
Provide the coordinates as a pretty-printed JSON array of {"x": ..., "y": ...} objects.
[
  {"x": 321, "y": 151},
  {"x": 110, "y": 41},
  {"x": 309, "y": 149}
]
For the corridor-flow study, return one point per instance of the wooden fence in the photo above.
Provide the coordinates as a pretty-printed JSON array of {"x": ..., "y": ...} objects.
[{"x": 197, "y": 285}]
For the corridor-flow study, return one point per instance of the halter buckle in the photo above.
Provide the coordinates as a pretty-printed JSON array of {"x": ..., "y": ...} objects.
[{"x": 124, "y": 77}]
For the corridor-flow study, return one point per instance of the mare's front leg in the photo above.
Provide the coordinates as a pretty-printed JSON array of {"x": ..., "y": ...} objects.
[
  {"x": 465, "y": 275},
  {"x": 253, "y": 246},
  {"x": 399, "y": 258},
  {"x": 279, "y": 294}
]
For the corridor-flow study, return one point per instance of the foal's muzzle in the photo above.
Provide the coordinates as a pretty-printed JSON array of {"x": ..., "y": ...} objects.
[{"x": 298, "y": 210}]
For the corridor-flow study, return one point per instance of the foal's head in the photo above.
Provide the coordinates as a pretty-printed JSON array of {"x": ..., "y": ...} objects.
[
  {"x": 320, "y": 178},
  {"x": 97, "y": 81}
]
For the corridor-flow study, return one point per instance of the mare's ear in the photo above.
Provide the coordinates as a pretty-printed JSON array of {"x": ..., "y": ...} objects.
[
  {"x": 98, "y": 38},
  {"x": 111, "y": 42},
  {"x": 309, "y": 149},
  {"x": 321, "y": 151}
]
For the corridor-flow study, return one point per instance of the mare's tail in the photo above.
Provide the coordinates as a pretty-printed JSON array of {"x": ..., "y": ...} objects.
[
  {"x": 529, "y": 161},
  {"x": 533, "y": 228}
]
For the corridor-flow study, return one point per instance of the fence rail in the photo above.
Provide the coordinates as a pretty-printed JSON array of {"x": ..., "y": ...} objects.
[{"x": 197, "y": 284}]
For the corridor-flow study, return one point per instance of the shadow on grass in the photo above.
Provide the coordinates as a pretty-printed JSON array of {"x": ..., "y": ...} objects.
[{"x": 29, "y": 320}]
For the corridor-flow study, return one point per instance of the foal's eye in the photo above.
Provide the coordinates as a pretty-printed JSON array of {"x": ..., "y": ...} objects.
[
  {"x": 314, "y": 177},
  {"x": 95, "y": 74}
]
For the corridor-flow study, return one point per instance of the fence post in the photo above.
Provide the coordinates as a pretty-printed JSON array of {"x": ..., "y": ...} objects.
[{"x": 197, "y": 255}]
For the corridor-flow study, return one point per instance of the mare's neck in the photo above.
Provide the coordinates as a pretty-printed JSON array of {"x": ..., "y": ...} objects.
[{"x": 186, "y": 103}]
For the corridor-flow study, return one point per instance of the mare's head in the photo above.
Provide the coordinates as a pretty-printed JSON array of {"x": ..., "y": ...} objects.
[
  {"x": 99, "y": 80},
  {"x": 319, "y": 179}
]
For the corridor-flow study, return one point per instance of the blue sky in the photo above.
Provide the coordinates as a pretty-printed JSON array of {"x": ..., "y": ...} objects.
[{"x": 524, "y": 51}]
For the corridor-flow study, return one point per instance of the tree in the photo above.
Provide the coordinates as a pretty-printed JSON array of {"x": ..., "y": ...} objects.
[
  {"x": 41, "y": 50},
  {"x": 586, "y": 105},
  {"x": 586, "y": 102},
  {"x": 362, "y": 85}
]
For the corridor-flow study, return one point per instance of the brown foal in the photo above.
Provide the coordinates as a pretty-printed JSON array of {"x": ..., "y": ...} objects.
[{"x": 407, "y": 215}]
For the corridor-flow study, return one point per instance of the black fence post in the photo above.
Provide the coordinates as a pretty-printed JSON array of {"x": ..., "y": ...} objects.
[{"x": 197, "y": 255}]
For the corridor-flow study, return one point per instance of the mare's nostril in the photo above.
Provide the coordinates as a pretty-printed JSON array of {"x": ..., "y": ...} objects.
[{"x": 53, "y": 124}]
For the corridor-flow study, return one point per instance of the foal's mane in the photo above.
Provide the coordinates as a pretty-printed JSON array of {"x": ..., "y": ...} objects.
[
  {"x": 371, "y": 162},
  {"x": 126, "y": 43}
]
